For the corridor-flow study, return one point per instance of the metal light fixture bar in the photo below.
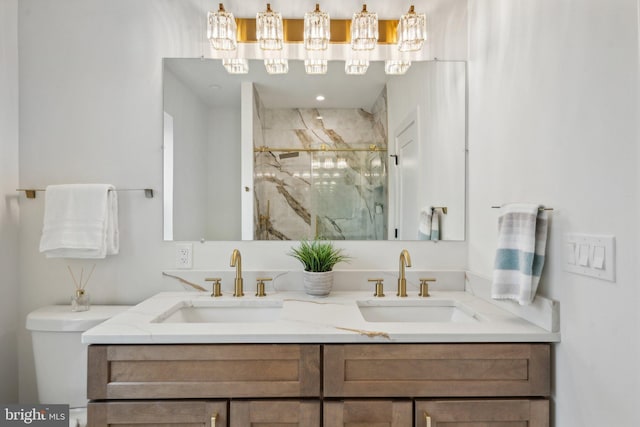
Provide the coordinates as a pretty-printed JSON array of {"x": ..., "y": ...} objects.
[{"x": 293, "y": 31}]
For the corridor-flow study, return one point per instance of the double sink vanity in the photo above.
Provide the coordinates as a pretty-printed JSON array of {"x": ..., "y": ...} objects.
[{"x": 351, "y": 358}]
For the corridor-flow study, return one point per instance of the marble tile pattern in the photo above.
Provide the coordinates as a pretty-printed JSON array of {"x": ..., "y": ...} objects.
[{"x": 333, "y": 195}]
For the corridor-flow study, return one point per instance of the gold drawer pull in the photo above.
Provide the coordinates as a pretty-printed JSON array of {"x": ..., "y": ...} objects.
[
  {"x": 427, "y": 419},
  {"x": 213, "y": 419}
]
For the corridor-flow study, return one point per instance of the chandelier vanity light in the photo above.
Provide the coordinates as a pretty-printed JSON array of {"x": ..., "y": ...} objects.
[
  {"x": 269, "y": 29},
  {"x": 222, "y": 29},
  {"x": 356, "y": 40},
  {"x": 364, "y": 30},
  {"x": 317, "y": 31}
]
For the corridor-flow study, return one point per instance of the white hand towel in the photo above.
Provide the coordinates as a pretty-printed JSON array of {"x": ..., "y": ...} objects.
[
  {"x": 522, "y": 240},
  {"x": 80, "y": 221},
  {"x": 424, "y": 225},
  {"x": 435, "y": 223}
]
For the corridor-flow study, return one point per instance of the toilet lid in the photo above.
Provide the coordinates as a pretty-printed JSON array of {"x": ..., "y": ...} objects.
[{"x": 60, "y": 318}]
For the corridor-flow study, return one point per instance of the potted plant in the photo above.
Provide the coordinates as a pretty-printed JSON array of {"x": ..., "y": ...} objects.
[{"x": 318, "y": 258}]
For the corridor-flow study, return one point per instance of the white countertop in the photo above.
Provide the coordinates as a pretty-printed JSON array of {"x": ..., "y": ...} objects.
[{"x": 307, "y": 319}]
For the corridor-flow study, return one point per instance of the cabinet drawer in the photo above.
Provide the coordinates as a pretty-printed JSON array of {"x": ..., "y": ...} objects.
[
  {"x": 437, "y": 370},
  {"x": 275, "y": 413},
  {"x": 485, "y": 413},
  {"x": 203, "y": 371},
  {"x": 369, "y": 413},
  {"x": 147, "y": 414}
]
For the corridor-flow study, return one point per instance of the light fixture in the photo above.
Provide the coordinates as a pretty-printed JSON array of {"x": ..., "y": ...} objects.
[
  {"x": 316, "y": 30},
  {"x": 412, "y": 31},
  {"x": 269, "y": 29},
  {"x": 236, "y": 65},
  {"x": 320, "y": 98},
  {"x": 276, "y": 65},
  {"x": 221, "y": 29},
  {"x": 315, "y": 66},
  {"x": 396, "y": 66},
  {"x": 356, "y": 66},
  {"x": 364, "y": 30}
]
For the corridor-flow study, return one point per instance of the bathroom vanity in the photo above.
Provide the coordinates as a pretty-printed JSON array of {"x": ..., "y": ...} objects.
[{"x": 348, "y": 359}]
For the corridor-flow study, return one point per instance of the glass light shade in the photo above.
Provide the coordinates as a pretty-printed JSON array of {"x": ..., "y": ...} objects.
[
  {"x": 315, "y": 66},
  {"x": 396, "y": 66},
  {"x": 221, "y": 29},
  {"x": 269, "y": 29},
  {"x": 356, "y": 66},
  {"x": 276, "y": 66},
  {"x": 364, "y": 30},
  {"x": 412, "y": 31},
  {"x": 236, "y": 65},
  {"x": 316, "y": 30}
]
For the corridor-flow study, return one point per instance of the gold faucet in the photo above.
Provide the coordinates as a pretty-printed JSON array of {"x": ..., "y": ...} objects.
[
  {"x": 405, "y": 259},
  {"x": 236, "y": 261}
]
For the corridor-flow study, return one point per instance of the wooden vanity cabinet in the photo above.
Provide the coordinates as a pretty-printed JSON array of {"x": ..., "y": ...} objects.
[
  {"x": 485, "y": 413},
  {"x": 436, "y": 370},
  {"x": 275, "y": 413},
  {"x": 203, "y": 371},
  {"x": 184, "y": 413},
  {"x": 373, "y": 385},
  {"x": 370, "y": 413}
]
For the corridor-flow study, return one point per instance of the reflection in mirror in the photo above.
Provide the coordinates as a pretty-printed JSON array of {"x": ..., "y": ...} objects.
[{"x": 257, "y": 156}]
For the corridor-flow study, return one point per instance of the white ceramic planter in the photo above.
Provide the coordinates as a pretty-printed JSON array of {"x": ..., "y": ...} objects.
[{"x": 318, "y": 284}]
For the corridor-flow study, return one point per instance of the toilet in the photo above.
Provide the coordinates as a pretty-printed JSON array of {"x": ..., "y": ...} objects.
[{"x": 61, "y": 357}]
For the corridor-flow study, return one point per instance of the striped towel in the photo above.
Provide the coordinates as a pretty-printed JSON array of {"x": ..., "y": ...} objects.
[{"x": 522, "y": 240}]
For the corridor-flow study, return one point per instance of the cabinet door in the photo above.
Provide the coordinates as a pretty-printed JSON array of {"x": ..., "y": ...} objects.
[
  {"x": 369, "y": 413},
  {"x": 157, "y": 413},
  {"x": 275, "y": 413},
  {"x": 483, "y": 413},
  {"x": 436, "y": 370},
  {"x": 203, "y": 371}
]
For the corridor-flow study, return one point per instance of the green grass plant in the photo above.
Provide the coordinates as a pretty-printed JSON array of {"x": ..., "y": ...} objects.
[{"x": 318, "y": 256}]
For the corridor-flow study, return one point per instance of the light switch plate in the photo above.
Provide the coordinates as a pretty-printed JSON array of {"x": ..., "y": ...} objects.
[{"x": 594, "y": 255}]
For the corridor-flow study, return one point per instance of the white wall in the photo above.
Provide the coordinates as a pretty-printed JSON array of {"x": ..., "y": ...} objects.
[
  {"x": 190, "y": 158},
  {"x": 8, "y": 200},
  {"x": 223, "y": 171},
  {"x": 553, "y": 116},
  {"x": 91, "y": 111},
  {"x": 436, "y": 90}
]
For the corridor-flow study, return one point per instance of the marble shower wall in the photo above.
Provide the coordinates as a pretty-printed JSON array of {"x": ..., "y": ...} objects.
[{"x": 333, "y": 194}]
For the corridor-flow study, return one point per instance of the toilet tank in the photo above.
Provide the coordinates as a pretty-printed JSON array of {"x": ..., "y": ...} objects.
[{"x": 59, "y": 355}]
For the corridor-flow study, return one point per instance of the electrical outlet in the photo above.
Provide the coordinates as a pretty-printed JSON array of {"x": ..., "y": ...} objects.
[{"x": 184, "y": 255}]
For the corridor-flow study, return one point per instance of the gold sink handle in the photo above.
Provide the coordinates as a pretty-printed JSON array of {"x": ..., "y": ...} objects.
[
  {"x": 215, "y": 291},
  {"x": 379, "y": 287},
  {"x": 424, "y": 286},
  {"x": 260, "y": 286}
]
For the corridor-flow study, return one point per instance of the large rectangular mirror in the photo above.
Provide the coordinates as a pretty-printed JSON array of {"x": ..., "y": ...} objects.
[{"x": 258, "y": 156}]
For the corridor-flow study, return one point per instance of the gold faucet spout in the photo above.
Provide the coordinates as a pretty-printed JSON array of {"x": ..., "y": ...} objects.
[
  {"x": 236, "y": 261},
  {"x": 405, "y": 260}
]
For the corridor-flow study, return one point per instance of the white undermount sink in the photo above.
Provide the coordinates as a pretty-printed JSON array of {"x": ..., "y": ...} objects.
[
  {"x": 222, "y": 312},
  {"x": 416, "y": 311}
]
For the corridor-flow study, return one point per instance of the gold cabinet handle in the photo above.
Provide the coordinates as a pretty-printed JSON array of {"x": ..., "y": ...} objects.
[
  {"x": 213, "y": 419},
  {"x": 427, "y": 419}
]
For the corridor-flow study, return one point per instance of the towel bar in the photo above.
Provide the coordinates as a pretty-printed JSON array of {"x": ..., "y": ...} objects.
[
  {"x": 540, "y": 209},
  {"x": 31, "y": 192}
]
